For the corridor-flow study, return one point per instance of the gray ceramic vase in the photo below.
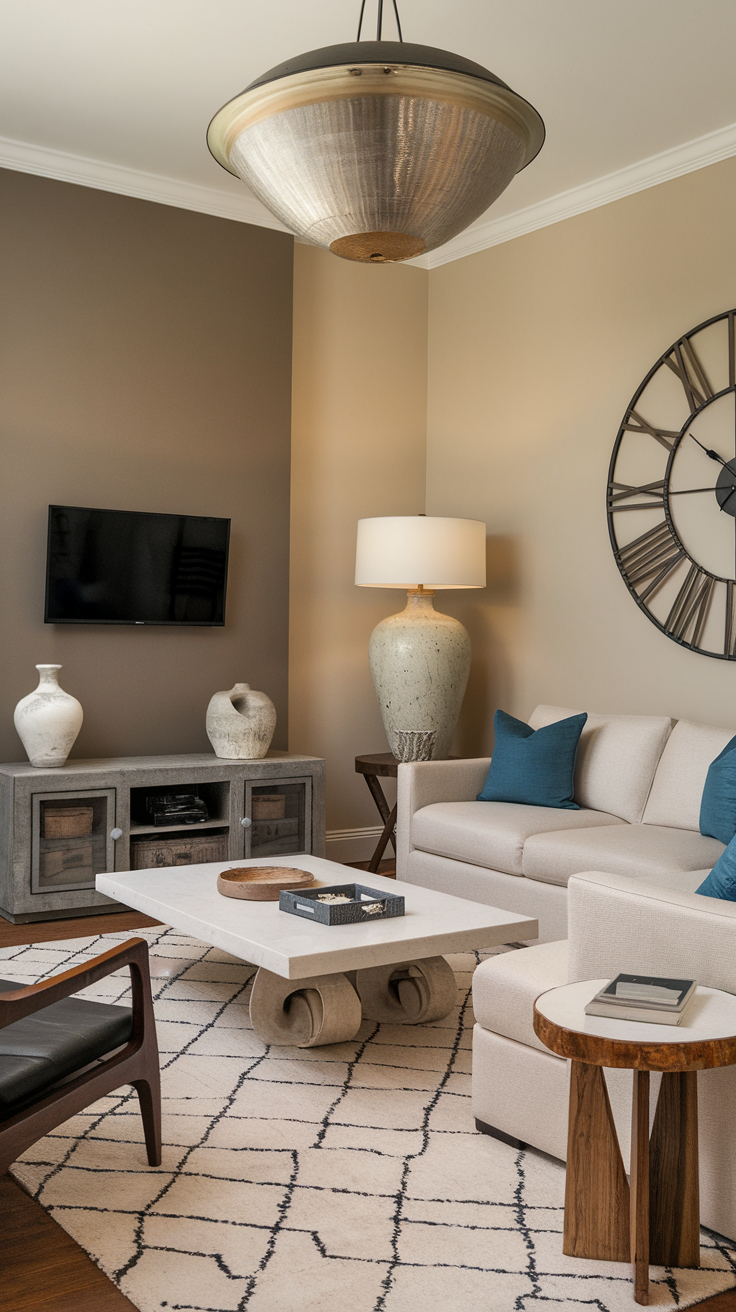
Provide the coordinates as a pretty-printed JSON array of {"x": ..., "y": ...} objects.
[{"x": 240, "y": 723}]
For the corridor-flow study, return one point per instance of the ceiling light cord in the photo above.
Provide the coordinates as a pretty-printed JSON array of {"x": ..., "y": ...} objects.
[{"x": 379, "y": 20}]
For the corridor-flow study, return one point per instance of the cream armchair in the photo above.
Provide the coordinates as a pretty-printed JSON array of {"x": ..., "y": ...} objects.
[{"x": 615, "y": 924}]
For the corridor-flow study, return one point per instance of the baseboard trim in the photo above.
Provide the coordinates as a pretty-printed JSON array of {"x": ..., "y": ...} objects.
[{"x": 353, "y": 844}]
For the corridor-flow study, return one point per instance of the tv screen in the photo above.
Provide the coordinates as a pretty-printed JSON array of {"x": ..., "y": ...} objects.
[{"x": 127, "y": 567}]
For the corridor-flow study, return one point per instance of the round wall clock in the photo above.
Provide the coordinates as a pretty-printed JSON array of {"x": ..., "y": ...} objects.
[{"x": 672, "y": 491}]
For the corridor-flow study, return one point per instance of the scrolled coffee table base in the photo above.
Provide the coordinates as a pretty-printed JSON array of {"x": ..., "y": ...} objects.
[
  {"x": 410, "y": 993},
  {"x": 308, "y": 1013},
  {"x": 304, "y": 1013}
]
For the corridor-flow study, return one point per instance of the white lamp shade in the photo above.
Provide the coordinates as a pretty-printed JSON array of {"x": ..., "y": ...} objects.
[{"x": 404, "y": 551}]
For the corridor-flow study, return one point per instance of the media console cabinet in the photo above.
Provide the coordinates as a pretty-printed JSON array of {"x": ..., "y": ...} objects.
[{"x": 61, "y": 827}]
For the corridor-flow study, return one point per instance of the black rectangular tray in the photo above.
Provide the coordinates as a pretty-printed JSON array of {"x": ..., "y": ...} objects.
[{"x": 307, "y": 905}]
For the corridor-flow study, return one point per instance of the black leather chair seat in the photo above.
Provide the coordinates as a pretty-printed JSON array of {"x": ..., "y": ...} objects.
[{"x": 39, "y": 1050}]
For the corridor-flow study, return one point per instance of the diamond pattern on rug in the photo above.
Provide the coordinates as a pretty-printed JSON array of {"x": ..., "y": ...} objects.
[{"x": 313, "y": 1180}]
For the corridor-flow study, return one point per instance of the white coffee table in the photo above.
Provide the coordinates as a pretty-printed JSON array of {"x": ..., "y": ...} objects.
[{"x": 315, "y": 982}]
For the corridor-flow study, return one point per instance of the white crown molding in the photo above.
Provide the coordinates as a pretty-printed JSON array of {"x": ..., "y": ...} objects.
[
  {"x": 26, "y": 158},
  {"x": 244, "y": 208},
  {"x": 686, "y": 158}
]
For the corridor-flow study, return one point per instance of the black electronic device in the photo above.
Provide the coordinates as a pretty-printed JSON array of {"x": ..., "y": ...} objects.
[
  {"x": 176, "y": 809},
  {"x": 132, "y": 567}
]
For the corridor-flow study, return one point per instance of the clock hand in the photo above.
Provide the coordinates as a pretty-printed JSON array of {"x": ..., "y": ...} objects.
[{"x": 713, "y": 454}]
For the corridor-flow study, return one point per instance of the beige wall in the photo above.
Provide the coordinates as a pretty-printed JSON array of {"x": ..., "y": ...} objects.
[
  {"x": 182, "y": 323},
  {"x": 145, "y": 365},
  {"x": 536, "y": 348},
  {"x": 358, "y": 449}
]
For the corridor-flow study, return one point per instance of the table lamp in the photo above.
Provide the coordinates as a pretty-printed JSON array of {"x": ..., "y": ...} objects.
[{"x": 420, "y": 659}]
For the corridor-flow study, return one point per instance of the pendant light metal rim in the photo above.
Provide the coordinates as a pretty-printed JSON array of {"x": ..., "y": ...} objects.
[
  {"x": 377, "y": 52},
  {"x": 265, "y": 98}
]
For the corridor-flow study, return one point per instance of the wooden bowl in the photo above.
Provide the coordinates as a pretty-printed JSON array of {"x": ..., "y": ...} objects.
[{"x": 261, "y": 883}]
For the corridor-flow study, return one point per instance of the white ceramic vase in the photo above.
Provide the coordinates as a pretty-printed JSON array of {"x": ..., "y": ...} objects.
[
  {"x": 420, "y": 661},
  {"x": 240, "y": 723},
  {"x": 48, "y": 720}
]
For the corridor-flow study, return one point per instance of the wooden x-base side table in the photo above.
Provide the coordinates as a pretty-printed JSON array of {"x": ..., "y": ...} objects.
[
  {"x": 374, "y": 766},
  {"x": 656, "y": 1217}
]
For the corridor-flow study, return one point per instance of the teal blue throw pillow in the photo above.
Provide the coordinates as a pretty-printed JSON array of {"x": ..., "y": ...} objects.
[
  {"x": 721, "y": 882},
  {"x": 535, "y": 766},
  {"x": 718, "y": 807}
]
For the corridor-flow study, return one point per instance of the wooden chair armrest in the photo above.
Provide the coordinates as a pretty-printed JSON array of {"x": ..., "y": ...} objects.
[{"x": 20, "y": 1002}]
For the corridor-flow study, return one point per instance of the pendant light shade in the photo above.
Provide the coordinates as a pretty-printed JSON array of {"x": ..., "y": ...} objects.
[{"x": 379, "y": 150}]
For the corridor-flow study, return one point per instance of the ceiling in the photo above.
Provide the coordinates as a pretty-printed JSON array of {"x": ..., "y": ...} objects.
[{"x": 119, "y": 95}]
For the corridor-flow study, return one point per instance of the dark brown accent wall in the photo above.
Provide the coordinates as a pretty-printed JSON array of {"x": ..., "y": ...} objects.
[{"x": 145, "y": 364}]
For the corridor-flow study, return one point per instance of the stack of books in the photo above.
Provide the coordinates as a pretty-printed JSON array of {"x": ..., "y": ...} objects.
[{"x": 644, "y": 998}]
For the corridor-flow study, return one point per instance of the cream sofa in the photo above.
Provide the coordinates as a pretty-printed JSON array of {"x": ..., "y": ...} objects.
[
  {"x": 616, "y": 924},
  {"x": 639, "y": 783}
]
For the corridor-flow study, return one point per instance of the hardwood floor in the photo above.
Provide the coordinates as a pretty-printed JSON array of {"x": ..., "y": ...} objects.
[
  {"x": 43, "y": 1269},
  {"x": 45, "y": 931},
  {"x": 387, "y": 868}
]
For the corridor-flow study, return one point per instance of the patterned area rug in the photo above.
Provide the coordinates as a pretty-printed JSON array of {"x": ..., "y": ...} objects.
[{"x": 342, "y": 1178}]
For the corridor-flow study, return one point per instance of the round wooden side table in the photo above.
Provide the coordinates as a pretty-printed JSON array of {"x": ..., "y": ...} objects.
[{"x": 656, "y": 1217}]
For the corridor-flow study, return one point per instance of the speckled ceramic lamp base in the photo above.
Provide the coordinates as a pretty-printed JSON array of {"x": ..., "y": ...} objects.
[{"x": 420, "y": 661}]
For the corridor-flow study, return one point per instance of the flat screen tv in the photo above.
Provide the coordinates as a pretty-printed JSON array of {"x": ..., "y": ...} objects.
[{"x": 128, "y": 567}]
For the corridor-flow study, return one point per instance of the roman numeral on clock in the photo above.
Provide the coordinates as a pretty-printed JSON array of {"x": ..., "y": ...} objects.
[
  {"x": 728, "y": 639},
  {"x": 689, "y": 611},
  {"x": 635, "y": 423},
  {"x": 620, "y": 492},
  {"x": 651, "y": 557},
  {"x": 685, "y": 363}
]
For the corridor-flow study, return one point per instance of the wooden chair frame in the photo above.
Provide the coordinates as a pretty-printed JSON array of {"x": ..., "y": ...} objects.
[{"x": 135, "y": 1063}]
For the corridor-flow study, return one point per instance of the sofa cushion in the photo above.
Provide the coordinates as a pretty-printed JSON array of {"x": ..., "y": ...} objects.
[
  {"x": 506, "y": 987},
  {"x": 721, "y": 880},
  {"x": 649, "y": 852},
  {"x": 718, "y": 803},
  {"x": 678, "y": 785},
  {"x": 533, "y": 766},
  {"x": 616, "y": 760},
  {"x": 493, "y": 833}
]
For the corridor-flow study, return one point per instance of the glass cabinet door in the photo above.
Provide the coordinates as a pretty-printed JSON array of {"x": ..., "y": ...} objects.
[
  {"x": 279, "y": 813},
  {"x": 71, "y": 839}
]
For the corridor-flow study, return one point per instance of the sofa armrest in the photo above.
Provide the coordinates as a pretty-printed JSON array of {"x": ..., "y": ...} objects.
[
  {"x": 421, "y": 783},
  {"x": 619, "y": 924}
]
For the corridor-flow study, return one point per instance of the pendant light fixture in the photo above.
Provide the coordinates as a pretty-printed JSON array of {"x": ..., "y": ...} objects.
[{"x": 379, "y": 150}]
